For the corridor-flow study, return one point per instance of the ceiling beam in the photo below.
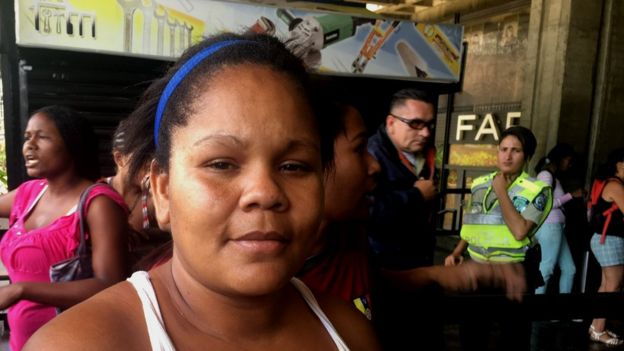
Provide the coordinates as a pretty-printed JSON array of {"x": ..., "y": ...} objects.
[
  {"x": 448, "y": 9},
  {"x": 404, "y": 10},
  {"x": 396, "y": 2}
]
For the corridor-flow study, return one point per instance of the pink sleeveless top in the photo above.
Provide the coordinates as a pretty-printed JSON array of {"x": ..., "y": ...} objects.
[{"x": 28, "y": 255}]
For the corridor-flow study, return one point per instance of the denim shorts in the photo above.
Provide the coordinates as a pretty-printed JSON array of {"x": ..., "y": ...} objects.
[{"x": 611, "y": 253}]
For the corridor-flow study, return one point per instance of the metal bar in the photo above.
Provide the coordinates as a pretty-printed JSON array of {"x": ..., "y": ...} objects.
[
  {"x": 471, "y": 307},
  {"x": 584, "y": 271}
]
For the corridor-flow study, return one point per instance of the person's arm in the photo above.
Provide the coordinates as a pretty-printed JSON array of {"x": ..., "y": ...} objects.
[
  {"x": 456, "y": 257},
  {"x": 108, "y": 229},
  {"x": 559, "y": 201},
  {"x": 391, "y": 204},
  {"x": 466, "y": 277},
  {"x": 388, "y": 203},
  {"x": 6, "y": 203},
  {"x": 518, "y": 225},
  {"x": 614, "y": 191}
]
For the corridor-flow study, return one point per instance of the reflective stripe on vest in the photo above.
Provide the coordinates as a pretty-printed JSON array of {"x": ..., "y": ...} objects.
[
  {"x": 497, "y": 254},
  {"x": 485, "y": 230}
]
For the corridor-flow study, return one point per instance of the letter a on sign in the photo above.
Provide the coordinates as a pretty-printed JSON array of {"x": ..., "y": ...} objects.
[{"x": 488, "y": 126}]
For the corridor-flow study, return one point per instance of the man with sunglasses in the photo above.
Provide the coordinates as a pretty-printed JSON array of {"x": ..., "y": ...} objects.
[{"x": 401, "y": 231}]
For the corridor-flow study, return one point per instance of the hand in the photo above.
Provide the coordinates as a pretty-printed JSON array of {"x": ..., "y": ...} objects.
[
  {"x": 453, "y": 260},
  {"x": 578, "y": 193},
  {"x": 508, "y": 276},
  {"x": 9, "y": 295},
  {"x": 427, "y": 188},
  {"x": 500, "y": 183},
  {"x": 306, "y": 36}
]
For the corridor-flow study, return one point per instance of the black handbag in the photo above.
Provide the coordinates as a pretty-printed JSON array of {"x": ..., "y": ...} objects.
[{"x": 80, "y": 266}]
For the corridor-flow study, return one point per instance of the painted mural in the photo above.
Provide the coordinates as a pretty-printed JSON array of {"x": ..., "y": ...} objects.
[{"x": 330, "y": 43}]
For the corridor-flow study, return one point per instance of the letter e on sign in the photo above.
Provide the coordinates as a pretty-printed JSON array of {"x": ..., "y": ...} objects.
[{"x": 512, "y": 118}]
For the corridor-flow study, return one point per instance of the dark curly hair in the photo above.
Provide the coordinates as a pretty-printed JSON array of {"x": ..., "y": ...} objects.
[
  {"x": 555, "y": 156},
  {"x": 608, "y": 169},
  {"x": 119, "y": 136},
  {"x": 80, "y": 140}
]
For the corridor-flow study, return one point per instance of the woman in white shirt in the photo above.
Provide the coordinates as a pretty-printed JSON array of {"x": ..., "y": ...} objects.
[
  {"x": 239, "y": 159},
  {"x": 551, "y": 235}
]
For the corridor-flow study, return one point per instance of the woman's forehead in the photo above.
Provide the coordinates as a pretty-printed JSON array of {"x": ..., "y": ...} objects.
[
  {"x": 511, "y": 140},
  {"x": 246, "y": 92},
  {"x": 247, "y": 115},
  {"x": 41, "y": 120},
  {"x": 244, "y": 131}
]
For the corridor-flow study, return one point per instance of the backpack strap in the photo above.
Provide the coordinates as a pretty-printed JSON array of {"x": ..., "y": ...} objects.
[{"x": 608, "y": 213}]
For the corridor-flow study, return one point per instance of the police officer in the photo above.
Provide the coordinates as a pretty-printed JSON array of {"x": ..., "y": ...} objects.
[
  {"x": 506, "y": 209},
  {"x": 507, "y": 206}
]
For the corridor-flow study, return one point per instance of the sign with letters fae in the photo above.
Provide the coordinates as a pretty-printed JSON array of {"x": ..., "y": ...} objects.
[{"x": 484, "y": 128}]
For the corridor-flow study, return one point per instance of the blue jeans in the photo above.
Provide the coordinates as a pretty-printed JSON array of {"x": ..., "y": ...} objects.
[{"x": 555, "y": 251}]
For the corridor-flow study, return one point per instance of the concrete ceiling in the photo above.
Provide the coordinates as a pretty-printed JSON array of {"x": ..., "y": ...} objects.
[
  {"x": 430, "y": 10},
  {"x": 424, "y": 11}
]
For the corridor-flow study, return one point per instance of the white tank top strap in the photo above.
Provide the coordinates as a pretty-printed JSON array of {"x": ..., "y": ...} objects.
[
  {"x": 314, "y": 306},
  {"x": 159, "y": 339},
  {"x": 32, "y": 205}
]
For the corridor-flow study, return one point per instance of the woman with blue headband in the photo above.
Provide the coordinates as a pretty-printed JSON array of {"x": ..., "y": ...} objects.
[{"x": 239, "y": 158}]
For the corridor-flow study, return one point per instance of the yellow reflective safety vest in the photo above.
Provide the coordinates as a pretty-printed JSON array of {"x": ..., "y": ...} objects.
[{"x": 488, "y": 237}]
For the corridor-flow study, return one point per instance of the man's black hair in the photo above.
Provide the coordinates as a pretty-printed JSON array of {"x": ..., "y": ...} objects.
[{"x": 403, "y": 95}]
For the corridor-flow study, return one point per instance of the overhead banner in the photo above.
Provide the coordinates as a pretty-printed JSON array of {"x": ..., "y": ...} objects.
[{"x": 331, "y": 43}]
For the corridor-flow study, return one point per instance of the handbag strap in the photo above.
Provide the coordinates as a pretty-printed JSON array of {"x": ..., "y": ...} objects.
[{"x": 82, "y": 247}]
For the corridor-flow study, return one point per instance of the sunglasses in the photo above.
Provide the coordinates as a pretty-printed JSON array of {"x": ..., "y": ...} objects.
[{"x": 416, "y": 123}]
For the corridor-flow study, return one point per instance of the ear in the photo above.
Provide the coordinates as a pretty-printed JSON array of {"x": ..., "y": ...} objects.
[
  {"x": 389, "y": 121},
  {"x": 159, "y": 183},
  {"x": 118, "y": 158}
]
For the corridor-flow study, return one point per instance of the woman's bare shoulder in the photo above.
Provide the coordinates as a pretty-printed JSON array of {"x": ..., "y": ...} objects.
[
  {"x": 613, "y": 187},
  {"x": 110, "y": 320},
  {"x": 354, "y": 328}
]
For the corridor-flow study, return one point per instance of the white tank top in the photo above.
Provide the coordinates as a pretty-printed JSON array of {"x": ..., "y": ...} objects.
[{"x": 159, "y": 338}]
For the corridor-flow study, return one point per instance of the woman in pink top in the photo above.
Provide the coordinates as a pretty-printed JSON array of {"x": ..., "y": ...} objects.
[{"x": 60, "y": 150}]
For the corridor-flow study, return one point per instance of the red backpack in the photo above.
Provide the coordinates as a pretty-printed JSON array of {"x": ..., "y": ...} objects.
[{"x": 596, "y": 192}]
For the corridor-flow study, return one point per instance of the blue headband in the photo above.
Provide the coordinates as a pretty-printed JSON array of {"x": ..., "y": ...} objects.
[{"x": 179, "y": 76}]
